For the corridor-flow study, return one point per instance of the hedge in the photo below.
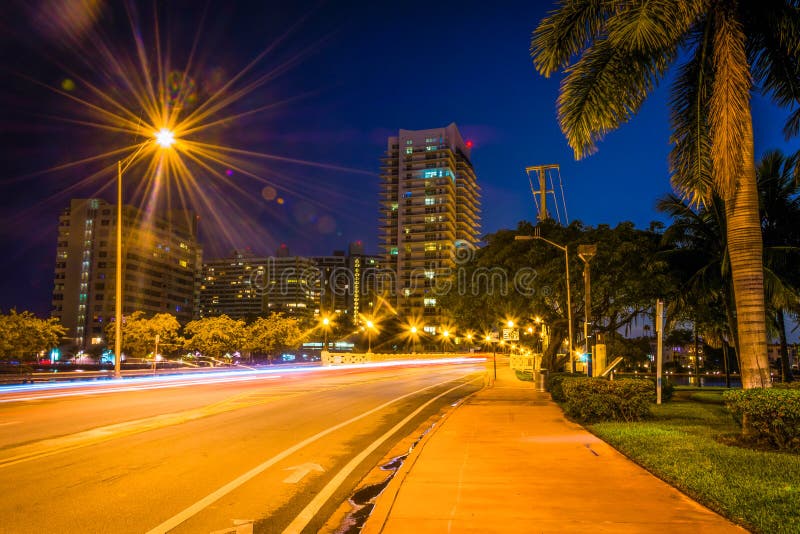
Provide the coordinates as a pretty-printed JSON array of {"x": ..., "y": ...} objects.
[
  {"x": 597, "y": 399},
  {"x": 554, "y": 382},
  {"x": 768, "y": 415}
]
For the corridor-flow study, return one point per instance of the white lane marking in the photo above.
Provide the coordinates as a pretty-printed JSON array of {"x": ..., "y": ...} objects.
[
  {"x": 300, "y": 471},
  {"x": 308, "y": 513},
  {"x": 209, "y": 499}
]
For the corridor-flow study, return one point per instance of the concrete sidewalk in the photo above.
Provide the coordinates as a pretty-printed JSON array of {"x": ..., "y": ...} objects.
[{"x": 508, "y": 461}]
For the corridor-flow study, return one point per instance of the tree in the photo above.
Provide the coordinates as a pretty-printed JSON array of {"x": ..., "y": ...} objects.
[
  {"x": 697, "y": 253},
  {"x": 625, "y": 281},
  {"x": 275, "y": 333},
  {"x": 779, "y": 194},
  {"x": 614, "y": 55},
  {"x": 139, "y": 333},
  {"x": 25, "y": 335},
  {"x": 215, "y": 336}
]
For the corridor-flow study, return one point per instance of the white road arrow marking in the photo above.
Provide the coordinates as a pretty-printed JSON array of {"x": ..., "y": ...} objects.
[{"x": 300, "y": 471}]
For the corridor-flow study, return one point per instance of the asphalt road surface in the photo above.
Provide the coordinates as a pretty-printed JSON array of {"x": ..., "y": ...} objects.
[{"x": 262, "y": 452}]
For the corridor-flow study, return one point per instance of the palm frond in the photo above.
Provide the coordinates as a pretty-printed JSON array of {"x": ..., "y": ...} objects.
[
  {"x": 565, "y": 33},
  {"x": 773, "y": 30},
  {"x": 729, "y": 102},
  {"x": 690, "y": 157},
  {"x": 603, "y": 90},
  {"x": 651, "y": 27}
]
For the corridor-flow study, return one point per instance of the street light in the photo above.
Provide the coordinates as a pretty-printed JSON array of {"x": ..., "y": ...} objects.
[
  {"x": 325, "y": 324},
  {"x": 413, "y": 331},
  {"x": 569, "y": 299},
  {"x": 165, "y": 139},
  {"x": 445, "y": 339},
  {"x": 586, "y": 253},
  {"x": 494, "y": 354},
  {"x": 370, "y": 326}
]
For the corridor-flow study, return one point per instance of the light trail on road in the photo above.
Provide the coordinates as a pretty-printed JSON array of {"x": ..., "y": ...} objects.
[
  {"x": 192, "y": 459},
  {"x": 143, "y": 383}
]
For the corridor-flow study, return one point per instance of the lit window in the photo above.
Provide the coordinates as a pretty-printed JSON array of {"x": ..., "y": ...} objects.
[
  {"x": 393, "y": 252},
  {"x": 430, "y": 201},
  {"x": 409, "y": 150},
  {"x": 429, "y": 275},
  {"x": 409, "y": 142},
  {"x": 430, "y": 246},
  {"x": 429, "y": 302}
]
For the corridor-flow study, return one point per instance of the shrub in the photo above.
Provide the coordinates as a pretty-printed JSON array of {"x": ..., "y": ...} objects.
[
  {"x": 597, "y": 399},
  {"x": 554, "y": 382},
  {"x": 769, "y": 415},
  {"x": 525, "y": 376}
]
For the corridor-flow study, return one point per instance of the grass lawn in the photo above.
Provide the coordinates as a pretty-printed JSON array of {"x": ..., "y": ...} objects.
[{"x": 684, "y": 444}]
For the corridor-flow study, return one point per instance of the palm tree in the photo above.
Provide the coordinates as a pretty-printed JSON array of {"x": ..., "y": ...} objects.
[
  {"x": 696, "y": 250},
  {"x": 780, "y": 222},
  {"x": 614, "y": 55}
]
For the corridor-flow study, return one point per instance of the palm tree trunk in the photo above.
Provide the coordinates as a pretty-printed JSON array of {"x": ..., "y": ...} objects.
[
  {"x": 725, "y": 363},
  {"x": 747, "y": 270},
  {"x": 786, "y": 368}
]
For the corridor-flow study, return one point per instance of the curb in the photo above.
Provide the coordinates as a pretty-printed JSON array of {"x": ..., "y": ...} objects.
[{"x": 385, "y": 501}]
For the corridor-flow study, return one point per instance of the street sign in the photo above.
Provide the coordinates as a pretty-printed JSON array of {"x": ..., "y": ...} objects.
[{"x": 510, "y": 334}]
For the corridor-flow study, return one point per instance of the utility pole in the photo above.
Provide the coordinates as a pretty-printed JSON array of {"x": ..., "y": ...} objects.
[{"x": 541, "y": 171}]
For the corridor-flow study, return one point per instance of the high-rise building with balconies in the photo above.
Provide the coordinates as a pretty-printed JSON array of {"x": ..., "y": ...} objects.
[
  {"x": 430, "y": 206},
  {"x": 161, "y": 262}
]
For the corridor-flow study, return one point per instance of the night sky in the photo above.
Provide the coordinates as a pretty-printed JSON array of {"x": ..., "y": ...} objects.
[{"x": 350, "y": 74}]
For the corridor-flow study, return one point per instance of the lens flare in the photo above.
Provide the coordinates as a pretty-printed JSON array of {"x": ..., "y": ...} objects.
[{"x": 165, "y": 137}]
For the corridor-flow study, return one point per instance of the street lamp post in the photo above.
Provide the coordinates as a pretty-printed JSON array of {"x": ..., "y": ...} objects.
[
  {"x": 586, "y": 253},
  {"x": 370, "y": 326},
  {"x": 325, "y": 323},
  {"x": 569, "y": 298},
  {"x": 164, "y": 138},
  {"x": 413, "y": 331},
  {"x": 494, "y": 355}
]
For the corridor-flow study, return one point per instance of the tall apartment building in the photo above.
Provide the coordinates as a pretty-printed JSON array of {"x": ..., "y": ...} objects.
[
  {"x": 430, "y": 205},
  {"x": 232, "y": 286},
  {"x": 161, "y": 260}
]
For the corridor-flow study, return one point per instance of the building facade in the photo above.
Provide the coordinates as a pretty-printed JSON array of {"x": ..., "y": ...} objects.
[
  {"x": 160, "y": 266},
  {"x": 232, "y": 286},
  {"x": 430, "y": 207}
]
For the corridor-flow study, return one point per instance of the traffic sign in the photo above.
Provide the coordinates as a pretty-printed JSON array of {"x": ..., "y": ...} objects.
[{"x": 510, "y": 334}]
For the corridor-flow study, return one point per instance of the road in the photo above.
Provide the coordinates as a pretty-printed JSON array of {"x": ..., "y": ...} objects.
[{"x": 278, "y": 450}]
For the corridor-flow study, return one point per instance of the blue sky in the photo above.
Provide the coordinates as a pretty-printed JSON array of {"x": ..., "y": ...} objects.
[{"x": 360, "y": 71}]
